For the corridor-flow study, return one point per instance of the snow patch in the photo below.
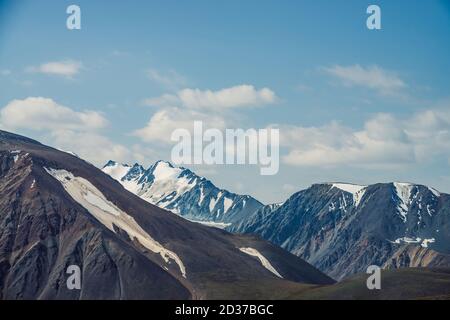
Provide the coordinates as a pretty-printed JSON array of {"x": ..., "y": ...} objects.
[
  {"x": 218, "y": 225},
  {"x": 348, "y": 187},
  {"x": 93, "y": 200},
  {"x": 117, "y": 171},
  {"x": 357, "y": 191},
  {"x": 407, "y": 240},
  {"x": 403, "y": 191},
  {"x": 430, "y": 211},
  {"x": 435, "y": 192},
  {"x": 266, "y": 264},
  {"x": 423, "y": 242},
  {"x": 202, "y": 196},
  {"x": 227, "y": 204},
  {"x": 212, "y": 204},
  {"x": 331, "y": 207},
  {"x": 101, "y": 203}
]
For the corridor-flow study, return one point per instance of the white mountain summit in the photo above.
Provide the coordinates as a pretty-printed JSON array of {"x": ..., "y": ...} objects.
[{"x": 183, "y": 192}]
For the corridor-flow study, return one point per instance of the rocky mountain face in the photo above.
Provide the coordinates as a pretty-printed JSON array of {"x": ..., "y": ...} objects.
[
  {"x": 339, "y": 228},
  {"x": 184, "y": 193},
  {"x": 57, "y": 210},
  {"x": 342, "y": 228}
]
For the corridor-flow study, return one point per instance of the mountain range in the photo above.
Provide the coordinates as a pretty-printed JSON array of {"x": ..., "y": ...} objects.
[
  {"x": 343, "y": 228},
  {"x": 182, "y": 192},
  {"x": 340, "y": 228},
  {"x": 58, "y": 211}
]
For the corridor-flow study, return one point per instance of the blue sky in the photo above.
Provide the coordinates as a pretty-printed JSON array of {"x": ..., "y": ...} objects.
[{"x": 352, "y": 104}]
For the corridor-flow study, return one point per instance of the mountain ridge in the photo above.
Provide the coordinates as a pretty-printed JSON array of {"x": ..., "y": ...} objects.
[
  {"x": 392, "y": 243},
  {"x": 57, "y": 210},
  {"x": 340, "y": 231},
  {"x": 183, "y": 192}
]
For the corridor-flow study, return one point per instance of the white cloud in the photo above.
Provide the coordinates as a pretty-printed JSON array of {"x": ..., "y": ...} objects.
[
  {"x": 385, "y": 141},
  {"x": 39, "y": 113},
  {"x": 430, "y": 130},
  {"x": 228, "y": 98},
  {"x": 5, "y": 72},
  {"x": 373, "y": 77},
  {"x": 215, "y": 109},
  {"x": 169, "y": 80},
  {"x": 89, "y": 145},
  {"x": 165, "y": 121},
  {"x": 64, "y": 128},
  {"x": 66, "y": 68}
]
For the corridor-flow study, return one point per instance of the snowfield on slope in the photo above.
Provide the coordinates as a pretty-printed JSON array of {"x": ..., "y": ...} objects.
[
  {"x": 266, "y": 264},
  {"x": 93, "y": 200},
  {"x": 357, "y": 191},
  {"x": 403, "y": 191},
  {"x": 117, "y": 171},
  {"x": 218, "y": 225}
]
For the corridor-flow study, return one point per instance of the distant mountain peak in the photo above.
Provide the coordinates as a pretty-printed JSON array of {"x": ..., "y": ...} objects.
[
  {"x": 183, "y": 192},
  {"x": 324, "y": 226},
  {"x": 164, "y": 163},
  {"x": 112, "y": 163}
]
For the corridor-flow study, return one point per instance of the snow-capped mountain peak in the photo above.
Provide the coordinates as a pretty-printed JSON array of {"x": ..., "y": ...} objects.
[
  {"x": 116, "y": 170},
  {"x": 411, "y": 197},
  {"x": 183, "y": 192},
  {"x": 57, "y": 211},
  {"x": 322, "y": 225},
  {"x": 349, "y": 187}
]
